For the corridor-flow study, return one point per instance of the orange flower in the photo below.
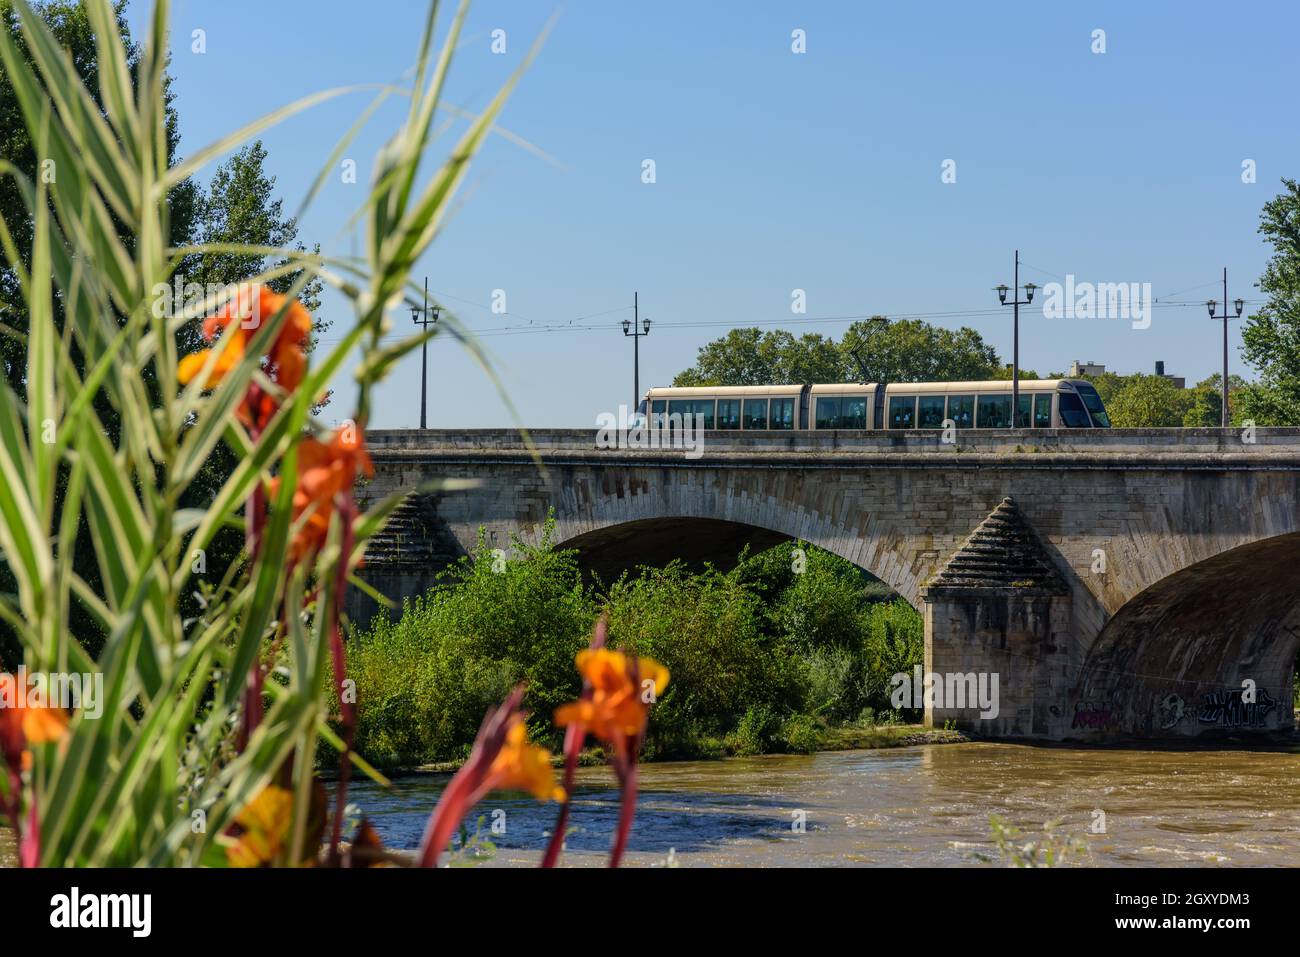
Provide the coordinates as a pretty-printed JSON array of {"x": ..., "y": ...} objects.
[
  {"x": 521, "y": 766},
  {"x": 22, "y": 724},
  {"x": 286, "y": 360},
  {"x": 619, "y": 705},
  {"x": 325, "y": 471},
  {"x": 264, "y": 824},
  {"x": 231, "y": 356}
]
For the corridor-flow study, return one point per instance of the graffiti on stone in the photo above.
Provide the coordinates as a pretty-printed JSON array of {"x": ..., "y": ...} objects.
[
  {"x": 1227, "y": 707},
  {"x": 1170, "y": 710},
  {"x": 1091, "y": 715}
]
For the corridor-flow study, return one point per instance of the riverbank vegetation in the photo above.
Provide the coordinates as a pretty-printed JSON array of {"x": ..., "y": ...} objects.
[{"x": 790, "y": 651}]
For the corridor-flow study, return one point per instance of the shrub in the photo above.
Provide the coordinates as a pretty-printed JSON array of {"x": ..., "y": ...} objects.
[
  {"x": 820, "y": 607},
  {"x": 801, "y": 734},
  {"x": 895, "y": 642},
  {"x": 836, "y": 683},
  {"x": 707, "y": 629},
  {"x": 425, "y": 678},
  {"x": 756, "y": 732}
]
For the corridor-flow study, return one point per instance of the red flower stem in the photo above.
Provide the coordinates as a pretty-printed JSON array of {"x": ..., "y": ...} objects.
[
  {"x": 254, "y": 523},
  {"x": 13, "y": 807},
  {"x": 347, "y": 512},
  {"x": 573, "y": 737},
  {"x": 628, "y": 779},
  {"x": 472, "y": 782},
  {"x": 454, "y": 806},
  {"x": 29, "y": 847},
  {"x": 625, "y": 765},
  {"x": 252, "y": 705}
]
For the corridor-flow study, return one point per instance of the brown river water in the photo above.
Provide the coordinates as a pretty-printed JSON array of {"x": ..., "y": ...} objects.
[
  {"x": 907, "y": 807},
  {"x": 901, "y": 807}
]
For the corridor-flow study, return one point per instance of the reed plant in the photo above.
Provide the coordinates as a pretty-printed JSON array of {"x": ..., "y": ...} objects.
[{"x": 205, "y": 744}]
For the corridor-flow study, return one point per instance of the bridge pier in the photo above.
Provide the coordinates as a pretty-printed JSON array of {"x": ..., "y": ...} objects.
[{"x": 997, "y": 619}]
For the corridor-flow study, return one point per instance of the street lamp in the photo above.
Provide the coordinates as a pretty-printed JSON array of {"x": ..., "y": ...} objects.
[
  {"x": 630, "y": 328},
  {"x": 1211, "y": 306},
  {"x": 424, "y": 317},
  {"x": 1016, "y": 303}
]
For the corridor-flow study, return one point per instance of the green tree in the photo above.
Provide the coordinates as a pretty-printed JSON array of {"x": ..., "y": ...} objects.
[
  {"x": 707, "y": 628},
  {"x": 1005, "y": 373},
  {"x": 71, "y": 26},
  {"x": 1108, "y": 385},
  {"x": 1148, "y": 401},
  {"x": 753, "y": 357},
  {"x": 909, "y": 350},
  {"x": 237, "y": 207},
  {"x": 240, "y": 207},
  {"x": 1270, "y": 340},
  {"x": 1206, "y": 409},
  {"x": 873, "y": 350}
]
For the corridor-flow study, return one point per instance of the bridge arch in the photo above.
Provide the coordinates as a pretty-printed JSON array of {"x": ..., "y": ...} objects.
[
  {"x": 611, "y": 549},
  {"x": 615, "y": 510},
  {"x": 1173, "y": 659}
]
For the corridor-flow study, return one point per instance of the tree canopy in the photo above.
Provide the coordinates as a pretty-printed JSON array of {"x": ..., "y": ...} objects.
[
  {"x": 1271, "y": 337},
  {"x": 874, "y": 350},
  {"x": 238, "y": 206}
]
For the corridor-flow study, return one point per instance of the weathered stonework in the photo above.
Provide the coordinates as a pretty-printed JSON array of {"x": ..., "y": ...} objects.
[
  {"x": 997, "y": 614},
  {"x": 1138, "y": 524}
]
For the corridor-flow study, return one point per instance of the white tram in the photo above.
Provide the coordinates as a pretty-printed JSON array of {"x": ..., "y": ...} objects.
[{"x": 1044, "y": 404}]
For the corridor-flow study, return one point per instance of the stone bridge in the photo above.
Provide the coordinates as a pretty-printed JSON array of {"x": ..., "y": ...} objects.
[{"x": 1118, "y": 583}]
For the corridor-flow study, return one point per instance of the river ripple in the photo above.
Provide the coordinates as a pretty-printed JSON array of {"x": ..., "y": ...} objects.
[{"x": 918, "y": 806}]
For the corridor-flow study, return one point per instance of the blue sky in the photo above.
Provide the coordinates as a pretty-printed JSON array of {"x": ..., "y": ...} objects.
[{"x": 778, "y": 171}]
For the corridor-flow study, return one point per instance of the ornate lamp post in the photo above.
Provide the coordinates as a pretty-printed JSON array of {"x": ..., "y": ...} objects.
[
  {"x": 424, "y": 317},
  {"x": 1239, "y": 305},
  {"x": 636, "y": 328},
  {"x": 1016, "y": 303}
]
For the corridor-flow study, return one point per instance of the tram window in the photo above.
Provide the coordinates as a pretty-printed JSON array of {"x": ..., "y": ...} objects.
[
  {"x": 728, "y": 413},
  {"x": 658, "y": 412},
  {"x": 1023, "y": 413},
  {"x": 678, "y": 409},
  {"x": 1073, "y": 414},
  {"x": 828, "y": 413},
  {"x": 698, "y": 408},
  {"x": 1092, "y": 401},
  {"x": 902, "y": 411},
  {"x": 1043, "y": 410},
  {"x": 853, "y": 412},
  {"x": 994, "y": 412},
  {"x": 961, "y": 409},
  {"x": 703, "y": 412},
  {"x": 782, "y": 414},
  {"x": 755, "y": 414},
  {"x": 930, "y": 415}
]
